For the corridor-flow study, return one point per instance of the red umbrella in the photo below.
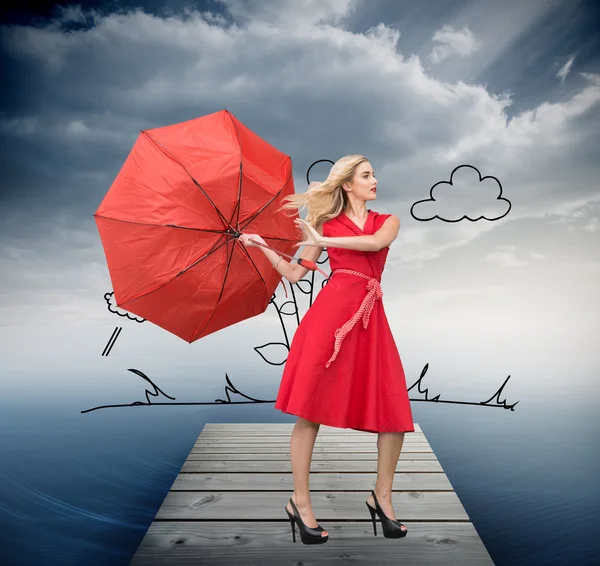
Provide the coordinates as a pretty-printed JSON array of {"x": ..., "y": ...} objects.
[{"x": 171, "y": 220}]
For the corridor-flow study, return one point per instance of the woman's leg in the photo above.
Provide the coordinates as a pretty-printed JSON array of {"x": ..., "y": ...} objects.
[
  {"x": 302, "y": 443},
  {"x": 389, "y": 446}
]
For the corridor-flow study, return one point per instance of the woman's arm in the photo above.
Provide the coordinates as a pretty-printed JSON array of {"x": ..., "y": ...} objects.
[
  {"x": 285, "y": 268},
  {"x": 294, "y": 272},
  {"x": 369, "y": 243},
  {"x": 360, "y": 243}
]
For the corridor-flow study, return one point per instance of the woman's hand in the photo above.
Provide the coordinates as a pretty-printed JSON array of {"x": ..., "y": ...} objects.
[
  {"x": 244, "y": 239},
  {"x": 310, "y": 236}
]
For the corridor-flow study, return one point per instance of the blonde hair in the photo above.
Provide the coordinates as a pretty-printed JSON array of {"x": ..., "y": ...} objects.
[{"x": 327, "y": 199}]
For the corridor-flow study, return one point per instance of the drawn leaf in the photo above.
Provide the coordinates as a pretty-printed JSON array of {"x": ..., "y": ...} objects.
[{"x": 274, "y": 351}]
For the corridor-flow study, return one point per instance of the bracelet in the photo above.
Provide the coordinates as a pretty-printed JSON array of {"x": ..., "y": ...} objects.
[{"x": 277, "y": 263}]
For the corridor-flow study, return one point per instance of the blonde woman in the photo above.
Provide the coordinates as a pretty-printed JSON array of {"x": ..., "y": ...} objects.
[{"x": 343, "y": 369}]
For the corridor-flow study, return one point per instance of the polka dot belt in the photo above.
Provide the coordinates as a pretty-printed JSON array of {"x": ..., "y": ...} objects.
[{"x": 374, "y": 292}]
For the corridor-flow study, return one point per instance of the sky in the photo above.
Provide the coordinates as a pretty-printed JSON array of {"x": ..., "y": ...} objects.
[{"x": 511, "y": 88}]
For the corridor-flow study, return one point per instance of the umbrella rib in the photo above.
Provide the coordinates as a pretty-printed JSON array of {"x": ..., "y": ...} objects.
[
  {"x": 217, "y": 246},
  {"x": 223, "y": 287},
  {"x": 255, "y": 267},
  {"x": 225, "y": 221},
  {"x": 218, "y": 300},
  {"x": 180, "y": 273},
  {"x": 251, "y": 218},
  {"x": 166, "y": 225},
  {"x": 237, "y": 208},
  {"x": 161, "y": 225}
]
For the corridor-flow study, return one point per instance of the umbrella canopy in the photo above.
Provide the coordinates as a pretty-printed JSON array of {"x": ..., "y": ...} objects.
[{"x": 171, "y": 220}]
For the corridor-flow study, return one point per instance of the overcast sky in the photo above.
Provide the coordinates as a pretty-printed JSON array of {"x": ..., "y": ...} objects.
[{"x": 511, "y": 88}]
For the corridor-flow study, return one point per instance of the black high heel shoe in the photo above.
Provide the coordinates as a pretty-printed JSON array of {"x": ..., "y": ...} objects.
[
  {"x": 391, "y": 528},
  {"x": 308, "y": 535}
]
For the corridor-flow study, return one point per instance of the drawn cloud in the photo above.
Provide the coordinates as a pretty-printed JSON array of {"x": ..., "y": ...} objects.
[
  {"x": 467, "y": 195},
  {"x": 113, "y": 308}
]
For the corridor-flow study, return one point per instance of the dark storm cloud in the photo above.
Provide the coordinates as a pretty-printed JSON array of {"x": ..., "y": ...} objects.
[{"x": 79, "y": 93}]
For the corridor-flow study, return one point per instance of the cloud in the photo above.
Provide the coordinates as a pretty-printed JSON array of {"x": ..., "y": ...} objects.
[
  {"x": 111, "y": 302},
  {"x": 78, "y": 99},
  {"x": 453, "y": 41},
  {"x": 505, "y": 257},
  {"x": 434, "y": 297},
  {"x": 593, "y": 78},
  {"x": 72, "y": 14},
  {"x": 565, "y": 69},
  {"x": 592, "y": 226},
  {"x": 291, "y": 13},
  {"x": 589, "y": 267},
  {"x": 467, "y": 195}
]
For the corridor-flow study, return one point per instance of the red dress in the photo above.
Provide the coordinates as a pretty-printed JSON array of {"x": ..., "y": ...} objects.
[{"x": 339, "y": 373}]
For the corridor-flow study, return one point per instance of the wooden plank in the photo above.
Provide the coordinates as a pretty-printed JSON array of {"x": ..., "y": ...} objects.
[
  {"x": 328, "y": 506},
  {"x": 316, "y": 466},
  {"x": 413, "y": 437},
  {"x": 360, "y": 446},
  {"x": 227, "y": 481},
  {"x": 286, "y": 439},
  {"x": 234, "y": 543},
  {"x": 282, "y": 427},
  {"x": 318, "y": 455},
  {"x": 258, "y": 448}
]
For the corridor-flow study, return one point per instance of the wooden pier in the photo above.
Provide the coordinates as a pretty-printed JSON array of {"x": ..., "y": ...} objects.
[{"x": 226, "y": 506}]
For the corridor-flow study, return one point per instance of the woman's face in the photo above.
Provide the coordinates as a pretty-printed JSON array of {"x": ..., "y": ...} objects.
[{"x": 364, "y": 182}]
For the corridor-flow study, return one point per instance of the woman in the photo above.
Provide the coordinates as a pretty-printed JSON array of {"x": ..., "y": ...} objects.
[{"x": 343, "y": 368}]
